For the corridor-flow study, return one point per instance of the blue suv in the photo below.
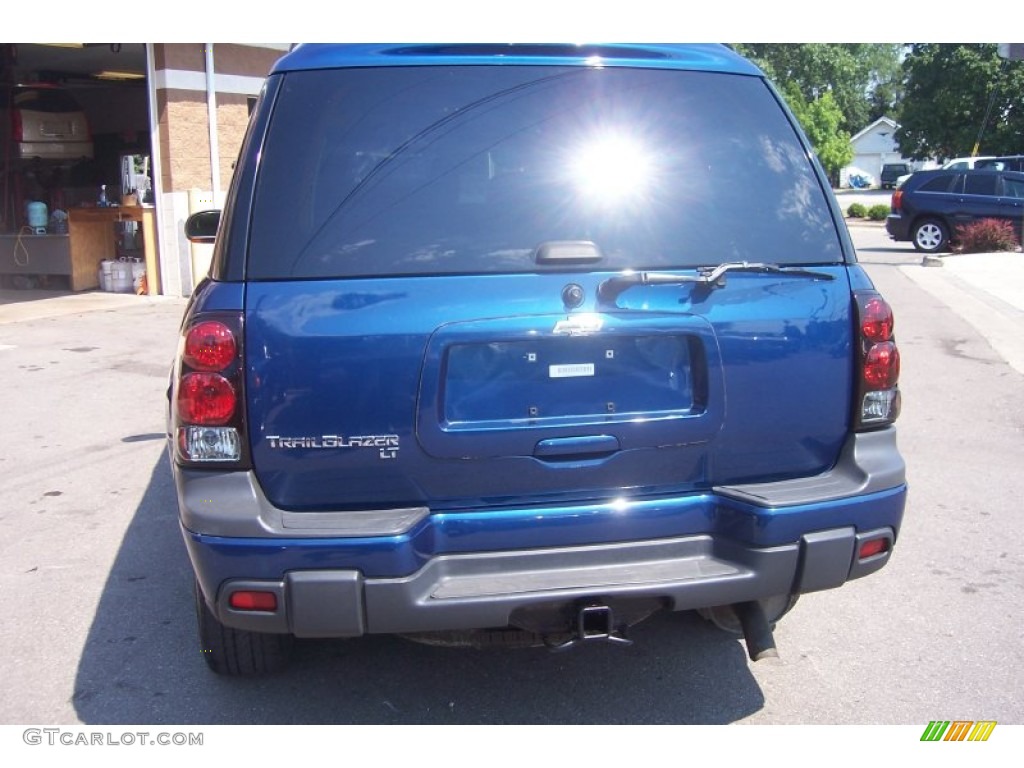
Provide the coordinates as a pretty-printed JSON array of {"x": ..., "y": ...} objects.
[{"x": 521, "y": 344}]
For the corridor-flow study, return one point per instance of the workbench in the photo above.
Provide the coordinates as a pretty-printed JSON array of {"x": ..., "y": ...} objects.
[{"x": 77, "y": 255}]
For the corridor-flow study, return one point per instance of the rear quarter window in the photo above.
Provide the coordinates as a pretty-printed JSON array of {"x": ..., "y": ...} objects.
[
  {"x": 938, "y": 184},
  {"x": 1013, "y": 187},
  {"x": 52, "y": 100},
  {"x": 468, "y": 169},
  {"x": 980, "y": 185}
]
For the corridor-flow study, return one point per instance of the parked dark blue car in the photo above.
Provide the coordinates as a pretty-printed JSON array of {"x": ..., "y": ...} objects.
[
  {"x": 522, "y": 344},
  {"x": 930, "y": 206}
]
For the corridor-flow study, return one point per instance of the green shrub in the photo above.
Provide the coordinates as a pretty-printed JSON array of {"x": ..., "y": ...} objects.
[
  {"x": 986, "y": 236},
  {"x": 857, "y": 211},
  {"x": 878, "y": 212}
]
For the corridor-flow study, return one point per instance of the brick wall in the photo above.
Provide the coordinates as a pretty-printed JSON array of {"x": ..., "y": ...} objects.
[
  {"x": 232, "y": 119},
  {"x": 182, "y": 112},
  {"x": 184, "y": 139}
]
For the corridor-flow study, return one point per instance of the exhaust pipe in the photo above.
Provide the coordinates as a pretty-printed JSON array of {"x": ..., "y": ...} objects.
[{"x": 757, "y": 634}]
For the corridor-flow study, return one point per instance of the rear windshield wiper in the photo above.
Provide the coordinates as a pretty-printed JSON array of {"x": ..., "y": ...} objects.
[{"x": 711, "y": 277}]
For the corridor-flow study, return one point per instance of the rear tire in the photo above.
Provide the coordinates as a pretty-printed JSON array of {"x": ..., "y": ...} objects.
[
  {"x": 930, "y": 236},
  {"x": 238, "y": 652}
]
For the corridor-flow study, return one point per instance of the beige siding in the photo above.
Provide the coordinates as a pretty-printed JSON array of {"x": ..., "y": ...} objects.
[
  {"x": 187, "y": 56},
  {"x": 232, "y": 59},
  {"x": 184, "y": 140},
  {"x": 232, "y": 119}
]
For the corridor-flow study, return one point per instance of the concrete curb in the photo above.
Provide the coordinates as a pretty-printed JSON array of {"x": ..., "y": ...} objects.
[{"x": 19, "y": 306}]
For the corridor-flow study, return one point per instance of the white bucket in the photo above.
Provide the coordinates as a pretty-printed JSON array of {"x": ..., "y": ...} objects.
[
  {"x": 106, "y": 269},
  {"x": 121, "y": 277},
  {"x": 138, "y": 272}
]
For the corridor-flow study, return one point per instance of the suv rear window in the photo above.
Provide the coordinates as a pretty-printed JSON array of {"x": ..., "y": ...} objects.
[
  {"x": 466, "y": 169},
  {"x": 53, "y": 100}
]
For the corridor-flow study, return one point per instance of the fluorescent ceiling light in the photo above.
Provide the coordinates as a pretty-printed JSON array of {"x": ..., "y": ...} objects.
[{"x": 115, "y": 75}]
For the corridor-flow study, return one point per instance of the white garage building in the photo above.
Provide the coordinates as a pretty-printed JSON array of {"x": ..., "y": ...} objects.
[{"x": 873, "y": 147}]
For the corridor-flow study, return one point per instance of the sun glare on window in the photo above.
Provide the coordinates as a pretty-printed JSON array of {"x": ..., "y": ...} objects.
[{"x": 612, "y": 169}]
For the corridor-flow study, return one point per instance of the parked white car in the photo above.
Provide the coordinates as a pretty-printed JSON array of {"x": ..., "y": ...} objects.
[{"x": 956, "y": 164}]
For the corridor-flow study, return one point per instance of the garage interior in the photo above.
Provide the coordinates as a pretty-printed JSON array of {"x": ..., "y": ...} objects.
[{"x": 77, "y": 219}]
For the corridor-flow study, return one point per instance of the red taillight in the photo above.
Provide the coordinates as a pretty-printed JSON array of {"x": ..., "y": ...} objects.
[
  {"x": 876, "y": 320},
  {"x": 206, "y": 398},
  {"x": 878, "y": 398},
  {"x": 252, "y": 600},
  {"x": 209, "y": 420},
  {"x": 897, "y": 201},
  {"x": 209, "y": 346},
  {"x": 17, "y": 131},
  {"x": 882, "y": 366}
]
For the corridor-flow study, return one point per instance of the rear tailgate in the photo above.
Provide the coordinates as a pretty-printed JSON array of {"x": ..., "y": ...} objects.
[
  {"x": 409, "y": 392},
  {"x": 422, "y": 322}
]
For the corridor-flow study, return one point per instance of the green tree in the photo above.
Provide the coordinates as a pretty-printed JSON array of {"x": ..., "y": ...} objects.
[
  {"x": 863, "y": 78},
  {"x": 886, "y": 80},
  {"x": 887, "y": 100},
  {"x": 956, "y": 93},
  {"x": 821, "y": 120}
]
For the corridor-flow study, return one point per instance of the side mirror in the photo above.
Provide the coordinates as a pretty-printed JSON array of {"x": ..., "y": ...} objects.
[{"x": 202, "y": 227}]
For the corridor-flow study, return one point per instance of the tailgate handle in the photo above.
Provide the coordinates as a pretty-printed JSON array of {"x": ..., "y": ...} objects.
[
  {"x": 571, "y": 447},
  {"x": 567, "y": 251}
]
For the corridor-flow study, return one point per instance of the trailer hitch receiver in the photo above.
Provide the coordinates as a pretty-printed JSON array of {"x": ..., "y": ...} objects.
[{"x": 594, "y": 621}]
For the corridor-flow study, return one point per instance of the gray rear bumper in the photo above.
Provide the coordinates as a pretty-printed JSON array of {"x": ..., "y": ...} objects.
[{"x": 478, "y": 591}]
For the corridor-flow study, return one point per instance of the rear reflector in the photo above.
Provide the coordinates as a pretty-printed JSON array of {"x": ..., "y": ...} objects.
[
  {"x": 253, "y": 601},
  {"x": 872, "y": 547}
]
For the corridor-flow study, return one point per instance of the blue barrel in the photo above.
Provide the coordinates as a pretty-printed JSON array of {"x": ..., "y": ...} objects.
[{"x": 37, "y": 215}]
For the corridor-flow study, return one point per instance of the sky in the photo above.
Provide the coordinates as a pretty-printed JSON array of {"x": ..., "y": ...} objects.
[{"x": 510, "y": 21}]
